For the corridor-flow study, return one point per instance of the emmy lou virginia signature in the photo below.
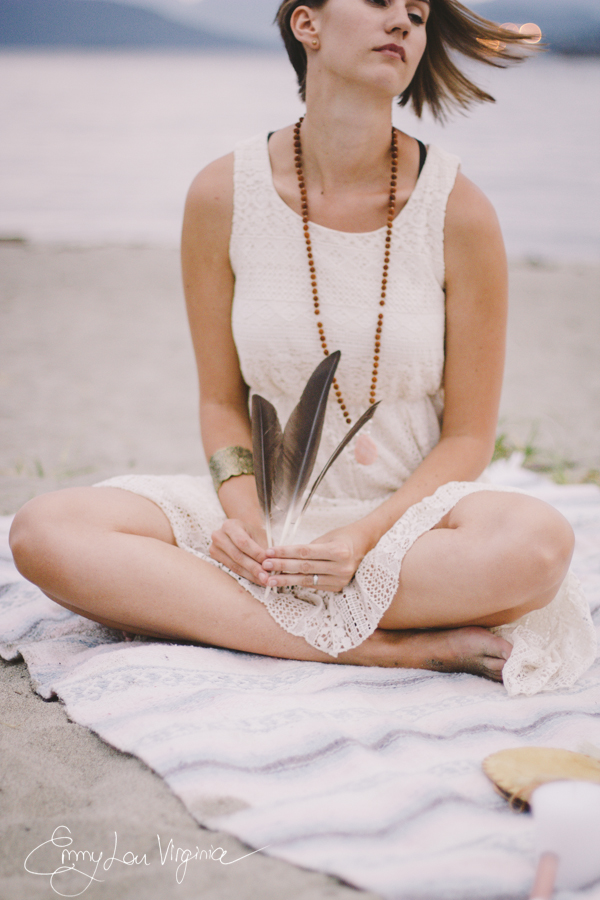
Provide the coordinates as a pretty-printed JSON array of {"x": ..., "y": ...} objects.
[{"x": 77, "y": 867}]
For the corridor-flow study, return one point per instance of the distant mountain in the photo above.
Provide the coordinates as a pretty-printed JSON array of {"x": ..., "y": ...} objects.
[
  {"x": 244, "y": 19},
  {"x": 99, "y": 23},
  {"x": 568, "y": 26}
]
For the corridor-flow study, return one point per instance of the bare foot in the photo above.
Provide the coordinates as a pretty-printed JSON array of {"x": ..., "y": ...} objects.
[{"x": 472, "y": 649}]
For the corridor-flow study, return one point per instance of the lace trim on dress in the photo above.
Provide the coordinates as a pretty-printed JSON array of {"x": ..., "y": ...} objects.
[{"x": 552, "y": 646}]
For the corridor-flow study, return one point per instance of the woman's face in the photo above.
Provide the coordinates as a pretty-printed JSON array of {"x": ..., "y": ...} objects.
[{"x": 378, "y": 41}]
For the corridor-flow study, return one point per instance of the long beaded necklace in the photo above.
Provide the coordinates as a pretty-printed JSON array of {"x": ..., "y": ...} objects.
[{"x": 368, "y": 452}]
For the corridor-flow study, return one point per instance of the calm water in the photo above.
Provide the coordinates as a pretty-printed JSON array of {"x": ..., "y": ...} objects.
[{"x": 101, "y": 147}]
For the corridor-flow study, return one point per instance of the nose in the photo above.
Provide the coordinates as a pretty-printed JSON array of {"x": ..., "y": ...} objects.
[{"x": 399, "y": 20}]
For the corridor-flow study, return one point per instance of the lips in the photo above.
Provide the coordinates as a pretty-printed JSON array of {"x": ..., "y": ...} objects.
[{"x": 393, "y": 50}]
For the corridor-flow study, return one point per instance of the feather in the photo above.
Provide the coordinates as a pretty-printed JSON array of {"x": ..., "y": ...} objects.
[
  {"x": 366, "y": 417},
  {"x": 301, "y": 439},
  {"x": 266, "y": 447},
  {"x": 283, "y": 463}
]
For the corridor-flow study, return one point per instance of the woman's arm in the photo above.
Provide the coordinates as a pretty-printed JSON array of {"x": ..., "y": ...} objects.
[
  {"x": 476, "y": 311},
  {"x": 208, "y": 285}
]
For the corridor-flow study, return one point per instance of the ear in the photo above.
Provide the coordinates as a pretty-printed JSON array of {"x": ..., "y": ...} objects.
[{"x": 304, "y": 26}]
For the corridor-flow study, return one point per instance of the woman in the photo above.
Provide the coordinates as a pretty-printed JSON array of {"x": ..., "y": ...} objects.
[{"x": 407, "y": 561}]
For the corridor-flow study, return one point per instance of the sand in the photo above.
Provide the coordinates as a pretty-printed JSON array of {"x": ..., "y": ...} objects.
[{"x": 97, "y": 378}]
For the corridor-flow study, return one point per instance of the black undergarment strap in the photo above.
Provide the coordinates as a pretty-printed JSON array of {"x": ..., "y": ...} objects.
[
  {"x": 422, "y": 151},
  {"x": 422, "y": 155}
]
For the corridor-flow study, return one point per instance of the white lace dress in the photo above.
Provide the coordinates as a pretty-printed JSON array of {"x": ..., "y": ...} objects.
[{"x": 277, "y": 341}]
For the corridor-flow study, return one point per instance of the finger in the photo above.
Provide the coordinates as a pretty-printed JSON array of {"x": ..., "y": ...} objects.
[
  {"x": 297, "y": 567},
  {"x": 225, "y": 552},
  {"x": 334, "y": 550},
  {"x": 243, "y": 541},
  {"x": 324, "y": 583}
]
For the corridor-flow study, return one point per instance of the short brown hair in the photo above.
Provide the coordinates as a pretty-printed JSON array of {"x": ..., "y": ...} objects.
[{"x": 438, "y": 82}]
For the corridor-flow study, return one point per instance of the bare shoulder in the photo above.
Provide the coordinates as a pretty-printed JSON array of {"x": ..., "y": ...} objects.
[
  {"x": 474, "y": 254},
  {"x": 209, "y": 202},
  {"x": 471, "y": 220},
  {"x": 206, "y": 269}
]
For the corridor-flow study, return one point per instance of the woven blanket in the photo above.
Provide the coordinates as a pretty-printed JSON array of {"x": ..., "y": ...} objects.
[{"x": 370, "y": 774}]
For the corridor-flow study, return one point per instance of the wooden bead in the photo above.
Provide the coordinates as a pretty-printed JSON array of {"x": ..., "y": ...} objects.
[{"x": 312, "y": 269}]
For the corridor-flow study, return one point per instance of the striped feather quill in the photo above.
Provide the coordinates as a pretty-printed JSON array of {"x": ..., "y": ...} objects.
[
  {"x": 366, "y": 417},
  {"x": 266, "y": 447},
  {"x": 301, "y": 439}
]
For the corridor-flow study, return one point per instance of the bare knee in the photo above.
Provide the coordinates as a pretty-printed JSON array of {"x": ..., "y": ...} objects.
[
  {"x": 34, "y": 531},
  {"x": 521, "y": 548},
  {"x": 545, "y": 542},
  {"x": 53, "y": 528},
  {"x": 556, "y": 545}
]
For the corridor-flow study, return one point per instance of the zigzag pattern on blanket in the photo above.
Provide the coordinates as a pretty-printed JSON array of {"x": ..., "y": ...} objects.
[{"x": 369, "y": 774}]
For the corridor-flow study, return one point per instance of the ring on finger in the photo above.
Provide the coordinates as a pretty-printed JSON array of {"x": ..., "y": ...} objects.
[{"x": 315, "y": 580}]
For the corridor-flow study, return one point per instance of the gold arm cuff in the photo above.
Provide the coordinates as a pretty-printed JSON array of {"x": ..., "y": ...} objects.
[{"x": 228, "y": 463}]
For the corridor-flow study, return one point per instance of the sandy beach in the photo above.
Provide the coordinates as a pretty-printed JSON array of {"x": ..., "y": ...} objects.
[{"x": 97, "y": 378}]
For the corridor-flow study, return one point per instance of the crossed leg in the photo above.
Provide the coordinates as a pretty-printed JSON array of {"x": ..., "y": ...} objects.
[{"x": 110, "y": 555}]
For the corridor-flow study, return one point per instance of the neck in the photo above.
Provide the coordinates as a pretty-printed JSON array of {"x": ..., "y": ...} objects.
[{"x": 344, "y": 142}]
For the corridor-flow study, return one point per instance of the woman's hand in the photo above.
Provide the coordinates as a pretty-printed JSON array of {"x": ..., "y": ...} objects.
[
  {"x": 241, "y": 546},
  {"x": 335, "y": 557}
]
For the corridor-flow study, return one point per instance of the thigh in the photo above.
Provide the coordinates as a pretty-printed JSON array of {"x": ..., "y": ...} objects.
[
  {"x": 499, "y": 514},
  {"x": 51, "y": 519}
]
